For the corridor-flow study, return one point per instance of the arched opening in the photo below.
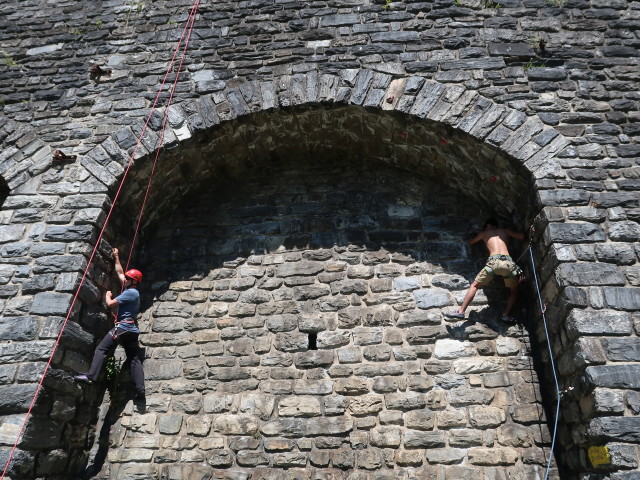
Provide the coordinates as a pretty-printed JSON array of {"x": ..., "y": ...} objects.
[{"x": 346, "y": 227}]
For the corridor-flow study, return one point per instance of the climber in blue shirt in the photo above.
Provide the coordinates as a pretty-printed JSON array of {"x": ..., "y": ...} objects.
[{"x": 125, "y": 332}]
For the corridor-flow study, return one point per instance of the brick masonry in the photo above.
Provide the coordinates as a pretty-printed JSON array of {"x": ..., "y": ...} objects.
[{"x": 460, "y": 94}]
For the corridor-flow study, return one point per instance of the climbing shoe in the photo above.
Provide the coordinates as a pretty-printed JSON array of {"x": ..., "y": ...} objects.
[
  {"x": 458, "y": 315},
  {"x": 82, "y": 378},
  {"x": 508, "y": 319}
]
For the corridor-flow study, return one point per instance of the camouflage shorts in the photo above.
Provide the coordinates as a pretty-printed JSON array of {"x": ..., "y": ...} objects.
[{"x": 501, "y": 265}]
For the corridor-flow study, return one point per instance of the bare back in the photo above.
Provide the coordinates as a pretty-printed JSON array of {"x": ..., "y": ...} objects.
[{"x": 496, "y": 239}]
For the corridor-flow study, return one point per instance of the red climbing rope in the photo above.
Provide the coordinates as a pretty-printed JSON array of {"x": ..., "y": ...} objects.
[
  {"x": 158, "y": 150},
  {"x": 188, "y": 28}
]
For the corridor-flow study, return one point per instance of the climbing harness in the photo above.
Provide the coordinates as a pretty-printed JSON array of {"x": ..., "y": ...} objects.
[
  {"x": 516, "y": 272},
  {"x": 183, "y": 42}
]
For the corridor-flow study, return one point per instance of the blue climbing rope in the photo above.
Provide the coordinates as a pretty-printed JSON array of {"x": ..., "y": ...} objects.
[{"x": 553, "y": 365}]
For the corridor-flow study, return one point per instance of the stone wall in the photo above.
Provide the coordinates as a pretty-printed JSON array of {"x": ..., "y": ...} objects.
[
  {"x": 446, "y": 90},
  {"x": 326, "y": 352}
]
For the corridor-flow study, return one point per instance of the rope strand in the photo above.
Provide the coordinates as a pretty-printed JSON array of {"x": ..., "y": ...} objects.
[
  {"x": 192, "y": 17},
  {"x": 553, "y": 365},
  {"x": 188, "y": 27}
]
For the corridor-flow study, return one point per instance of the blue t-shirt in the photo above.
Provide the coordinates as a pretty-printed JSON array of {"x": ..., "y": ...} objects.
[{"x": 128, "y": 308}]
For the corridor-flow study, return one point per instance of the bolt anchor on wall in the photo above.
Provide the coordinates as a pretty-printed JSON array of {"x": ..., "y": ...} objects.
[
  {"x": 59, "y": 157},
  {"x": 98, "y": 71}
]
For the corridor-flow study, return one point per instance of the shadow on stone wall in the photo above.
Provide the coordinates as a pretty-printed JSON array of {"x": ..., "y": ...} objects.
[{"x": 355, "y": 258}]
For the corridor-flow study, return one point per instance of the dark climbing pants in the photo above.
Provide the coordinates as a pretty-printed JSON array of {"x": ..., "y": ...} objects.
[{"x": 129, "y": 341}]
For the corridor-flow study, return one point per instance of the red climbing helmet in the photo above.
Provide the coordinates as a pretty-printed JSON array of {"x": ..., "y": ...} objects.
[{"x": 134, "y": 274}]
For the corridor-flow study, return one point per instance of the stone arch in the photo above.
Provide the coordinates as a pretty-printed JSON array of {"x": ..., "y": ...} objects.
[
  {"x": 522, "y": 148},
  {"x": 524, "y": 143}
]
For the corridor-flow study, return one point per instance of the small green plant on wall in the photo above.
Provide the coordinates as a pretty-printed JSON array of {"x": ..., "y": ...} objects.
[
  {"x": 556, "y": 3},
  {"x": 490, "y": 4},
  {"x": 9, "y": 61},
  {"x": 387, "y": 5},
  {"x": 112, "y": 372},
  {"x": 532, "y": 65}
]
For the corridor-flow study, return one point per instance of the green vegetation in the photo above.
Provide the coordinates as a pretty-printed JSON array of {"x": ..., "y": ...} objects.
[
  {"x": 99, "y": 23},
  {"x": 112, "y": 369},
  {"x": 9, "y": 61},
  {"x": 532, "y": 65},
  {"x": 387, "y": 5},
  {"x": 490, "y": 4},
  {"x": 556, "y": 3}
]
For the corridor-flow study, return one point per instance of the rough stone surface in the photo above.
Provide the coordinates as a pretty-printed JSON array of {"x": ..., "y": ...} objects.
[{"x": 306, "y": 232}]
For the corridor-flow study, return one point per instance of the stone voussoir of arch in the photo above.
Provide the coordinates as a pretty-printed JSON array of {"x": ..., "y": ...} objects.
[{"x": 508, "y": 130}]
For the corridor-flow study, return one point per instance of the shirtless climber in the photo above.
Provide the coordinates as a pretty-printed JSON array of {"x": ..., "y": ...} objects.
[
  {"x": 498, "y": 263},
  {"x": 125, "y": 332}
]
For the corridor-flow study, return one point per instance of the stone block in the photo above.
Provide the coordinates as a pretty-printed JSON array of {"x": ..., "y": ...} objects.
[
  {"x": 514, "y": 435},
  {"x": 198, "y": 425},
  {"x": 466, "y": 366},
  {"x": 627, "y": 231},
  {"x": 318, "y": 427},
  {"x": 618, "y": 253},
  {"x": 18, "y": 328},
  {"x": 404, "y": 401},
  {"x": 447, "y": 381},
  {"x": 169, "y": 424},
  {"x": 352, "y": 386},
  {"x": 313, "y": 387},
  {"x": 622, "y": 429},
  {"x": 424, "y": 335},
  {"x": 451, "y": 419},
  {"x": 302, "y": 268},
  {"x": 623, "y": 456},
  {"x": 465, "y": 437},
  {"x": 299, "y": 406},
  {"x": 470, "y": 396},
  {"x": 248, "y": 458},
  {"x": 598, "y": 322},
  {"x": 607, "y": 401},
  {"x": 618, "y": 298},
  {"x": 367, "y": 335},
  {"x": 613, "y": 376},
  {"x": 162, "y": 369},
  {"x": 408, "y": 458},
  {"x": 261, "y": 405},
  {"x": 527, "y": 414},
  {"x": 314, "y": 358},
  {"x": 432, "y": 297},
  {"x": 486, "y": 417},
  {"x": 16, "y": 398},
  {"x": 493, "y": 456},
  {"x": 451, "y": 349},
  {"x": 573, "y": 233},
  {"x": 420, "y": 439},
  {"x": 335, "y": 405},
  {"x": 51, "y": 303},
  {"x": 622, "y": 349},
  {"x": 296, "y": 341},
  {"x": 229, "y": 424},
  {"x": 365, "y": 405},
  {"x": 585, "y": 273},
  {"x": 385, "y": 437}
]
